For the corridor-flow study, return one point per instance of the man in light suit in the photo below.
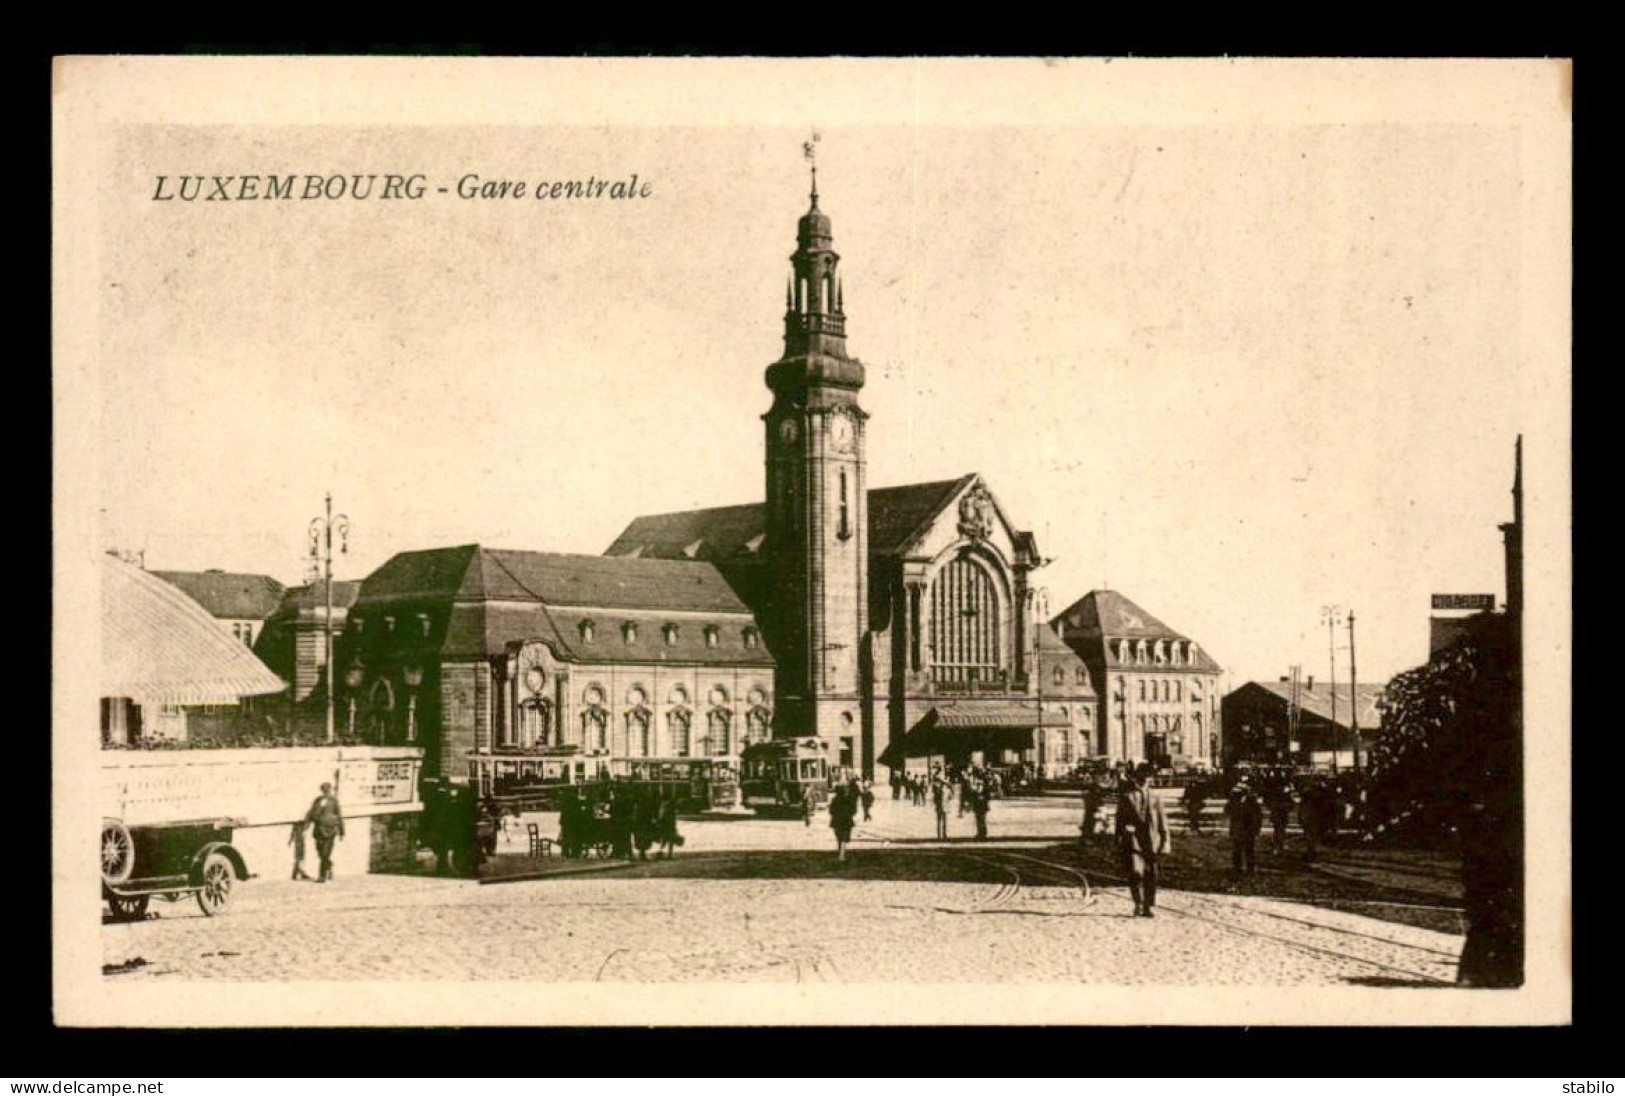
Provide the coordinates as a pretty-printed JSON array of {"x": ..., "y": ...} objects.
[{"x": 1142, "y": 839}]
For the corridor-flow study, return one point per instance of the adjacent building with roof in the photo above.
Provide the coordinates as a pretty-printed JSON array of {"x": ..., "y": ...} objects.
[
  {"x": 1275, "y": 721},
  {"x": 510, "y": 664},
  {"x": 1159, "y": 691},
  {"x": 240, "y": 602},
  {"x": 292, "y": 645},
  {"x": 166, "y": 662}
]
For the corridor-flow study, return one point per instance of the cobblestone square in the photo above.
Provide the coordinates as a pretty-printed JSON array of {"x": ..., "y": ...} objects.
[{"x": 759, "y": 900}]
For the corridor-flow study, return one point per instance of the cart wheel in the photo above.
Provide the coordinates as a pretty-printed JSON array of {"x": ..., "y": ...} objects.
[
  {"x": 131, "y": 907},
  {"x": 118, "y": 851},
  {"x": 215, "y": 894}
]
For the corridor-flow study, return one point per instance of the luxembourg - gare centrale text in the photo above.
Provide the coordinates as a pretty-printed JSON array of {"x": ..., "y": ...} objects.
[{"x": 390, "y": 186}]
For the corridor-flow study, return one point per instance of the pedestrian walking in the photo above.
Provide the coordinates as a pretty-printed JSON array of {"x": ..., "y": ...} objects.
[
  {"x": 297, "y": 840},
  {"x": 1091, "y": 806},
  {"x": 939, "y": 804},
  {"x": 1246, "y": 822},
  {"x": 1195, "y": 799},
  {"x": 843, "y": 811},
  {"x": 1142, "y": 840},
  {"x": 326, "y": 820},
  {"x": 979, "y": 803},
  {"x": 1279, "y": 803},
  {"x": 867, "y": 799}
]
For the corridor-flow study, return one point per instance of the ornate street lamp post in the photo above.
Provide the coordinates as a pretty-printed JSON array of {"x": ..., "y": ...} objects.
[
  {"x": 321, "y": 551},
  {"x": 412, "y": 674}
]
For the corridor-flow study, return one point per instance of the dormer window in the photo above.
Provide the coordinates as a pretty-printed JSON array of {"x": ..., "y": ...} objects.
[
  {"x": 1081, "y": 674},
  {"x": 588, "y": 628},
  {"x": 629, "y": 632},
  {"x": 1060, "y": 676},
  {"x": 751, "y": 638},
  {"x": 713, "y": 635},
  {"x": 670, "y": 632}
]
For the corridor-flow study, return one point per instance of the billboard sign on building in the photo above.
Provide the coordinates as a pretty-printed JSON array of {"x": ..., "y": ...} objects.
[{"x": 1477, "y": 603}]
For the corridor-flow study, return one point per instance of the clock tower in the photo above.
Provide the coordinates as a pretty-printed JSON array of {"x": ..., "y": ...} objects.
[{"x": 817, "y": 540}]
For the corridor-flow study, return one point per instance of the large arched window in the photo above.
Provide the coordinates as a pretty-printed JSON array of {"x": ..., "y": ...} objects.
[
  {"x": 380, "y": 711},
  {"x": 720, "y": 727},
  {"x": 678, "y": 723},
  {"x": 535, "y": 722},
  {"x": 967, "y": 644},
  {"x": 637, "y": 732}
]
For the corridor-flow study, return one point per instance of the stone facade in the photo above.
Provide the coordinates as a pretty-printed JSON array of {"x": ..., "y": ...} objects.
[{"x": 1159, "y": 691}]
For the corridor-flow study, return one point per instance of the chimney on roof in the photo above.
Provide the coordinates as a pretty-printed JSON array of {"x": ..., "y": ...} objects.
[
  {"x": 1285, "y": 679},
  {"x": 1311, "y": 683}
]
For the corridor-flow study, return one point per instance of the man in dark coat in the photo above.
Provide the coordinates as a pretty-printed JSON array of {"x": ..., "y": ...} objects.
[
  {"x": 1246, "y": 813},
  {"x": 1142, "y": 840},
  {"x": 327, "y": 822},
  {"x": 979, "y": 801}
]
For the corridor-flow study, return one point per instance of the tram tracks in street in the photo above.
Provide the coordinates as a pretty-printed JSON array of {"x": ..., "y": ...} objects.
[{"x": 1219, "y": 912}]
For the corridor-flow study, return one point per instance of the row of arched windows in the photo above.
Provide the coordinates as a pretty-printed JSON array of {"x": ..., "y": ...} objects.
[
  {"x": 1167, "y": 689},
  {"x": 534, "y": 726}
]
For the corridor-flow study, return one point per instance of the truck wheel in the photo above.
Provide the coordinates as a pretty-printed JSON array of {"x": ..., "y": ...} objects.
[
  {"x": 118, "y": 852},
  {"x": 218, "y": 877},
  {"x": 131, "y": 907}
]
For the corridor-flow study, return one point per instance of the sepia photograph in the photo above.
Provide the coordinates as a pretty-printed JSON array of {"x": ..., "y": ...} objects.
[{"x": 826, "y": 541}]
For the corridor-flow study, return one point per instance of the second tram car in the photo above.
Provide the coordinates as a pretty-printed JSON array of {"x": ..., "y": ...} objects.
[{"x": 786, "y": 772}]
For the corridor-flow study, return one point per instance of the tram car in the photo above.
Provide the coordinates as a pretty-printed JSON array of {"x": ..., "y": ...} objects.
[
  {"x": 697, "y": 783},
  {"x": 786, "y": 772}
]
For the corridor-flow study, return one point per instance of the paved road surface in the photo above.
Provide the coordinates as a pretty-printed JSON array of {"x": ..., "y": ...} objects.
[{"x": 761, "y": 900}]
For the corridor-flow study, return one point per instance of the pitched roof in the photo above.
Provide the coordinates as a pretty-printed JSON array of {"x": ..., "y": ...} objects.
[
  {"x": 228, "y": 596},
  {"x": 1053, "y": 651},
  {"x": 1318, "y": 701},
  {"x": 895, "y": 515},
  {"x": 480, "y": 630},
  {"x": 313, "y": 596},
  {"x": 161, "y": 647},
  {"x": 1102, "y": 615},
  {"x": 473, "y": 573}
]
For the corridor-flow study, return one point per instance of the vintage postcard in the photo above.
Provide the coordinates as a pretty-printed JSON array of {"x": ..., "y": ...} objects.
[{"x": 738, "y": 541}]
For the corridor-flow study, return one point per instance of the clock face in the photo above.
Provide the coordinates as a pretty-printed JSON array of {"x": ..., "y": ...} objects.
[
  {"x": 840, "y": 433},
  {"x": 787, "y": 431}
]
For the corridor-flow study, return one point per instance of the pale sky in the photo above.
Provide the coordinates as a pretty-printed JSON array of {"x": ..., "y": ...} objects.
[{"x": 1236, "y": 372}]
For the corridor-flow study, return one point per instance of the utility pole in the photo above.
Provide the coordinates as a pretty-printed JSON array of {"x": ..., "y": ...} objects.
[
  {"x": 1354, "y": 695},
  {"x": 1333, "y": 616},
  {"x": 1292, "y": 709},
  {"x": 321, "y": 552}
]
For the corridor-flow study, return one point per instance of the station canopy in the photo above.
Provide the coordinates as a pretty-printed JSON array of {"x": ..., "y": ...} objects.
[{"x": 957, "y": 730}]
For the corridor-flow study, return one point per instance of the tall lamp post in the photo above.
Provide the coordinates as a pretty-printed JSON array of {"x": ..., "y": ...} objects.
[
  {"x": 1038, "y": 599},
  {"x": 1332, "y": 616},
  {"x": 322, "y": 530},
  {"x": 352, "y": 683},
  {"x": 1354, "y": 695}
]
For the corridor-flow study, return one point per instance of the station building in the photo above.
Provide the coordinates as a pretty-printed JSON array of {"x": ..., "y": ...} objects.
[{"x": 897, "y": 624}]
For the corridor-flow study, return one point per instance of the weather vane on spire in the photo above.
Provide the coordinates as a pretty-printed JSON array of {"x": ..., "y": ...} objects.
[{"x": 809, "y": 149}]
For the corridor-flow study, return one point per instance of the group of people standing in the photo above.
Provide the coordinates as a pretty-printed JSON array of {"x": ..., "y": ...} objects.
[
  {"x": 973, "y": 787},
  {"x": 630, "y": 820}
]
